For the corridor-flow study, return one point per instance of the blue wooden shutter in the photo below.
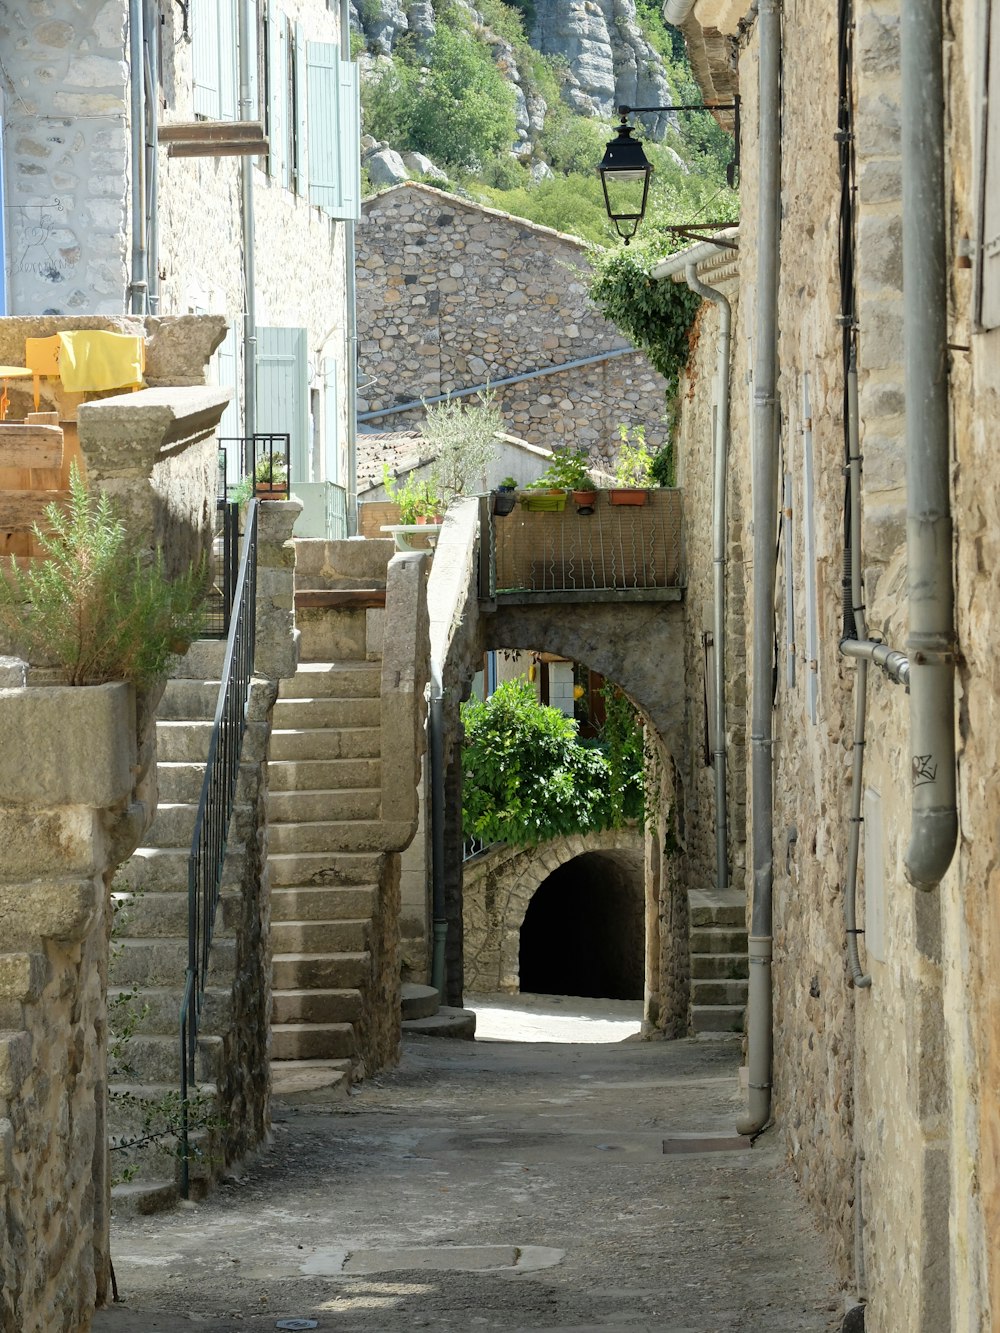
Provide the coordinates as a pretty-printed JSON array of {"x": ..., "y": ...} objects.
[
  {"x": 988, "y": 276},
  {"x": 331, "y": 463},
  {"x": 299, "y": 111},
  {"x": 228, "y": 61},
  {"x": 277, "y": 94},
  {"x": 283, "y": 392},
  {"x": 323, "y": 72},
  {"x": 350, "y": 141},
  {"x": 205, "y": 58},
  {"x": 224, "y": 366}
]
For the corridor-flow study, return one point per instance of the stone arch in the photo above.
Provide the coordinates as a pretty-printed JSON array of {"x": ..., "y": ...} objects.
[{"x": 500, "y": 885}]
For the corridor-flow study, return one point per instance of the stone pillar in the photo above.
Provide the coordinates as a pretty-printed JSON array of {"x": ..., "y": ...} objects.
[
  {"x": 455, "y": 944},
  {"x": 66, "y": 779},
  {"x": 277, "y": 649}
]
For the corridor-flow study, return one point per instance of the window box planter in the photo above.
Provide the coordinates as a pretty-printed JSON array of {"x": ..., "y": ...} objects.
[
  {"x": 626, "y": 495},
  {"x": 543, "y": 501}
]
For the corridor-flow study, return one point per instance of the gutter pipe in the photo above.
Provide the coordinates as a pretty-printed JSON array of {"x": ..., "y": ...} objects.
[
  {"x": 765, "y": 529},
  {"x": 352, "y": 327},
  {"x": 720, "y": 445},
  {"x": 931, "y": 640},
  {"x": 152, "y": 74},
  {"x": 138, "y": 286},
  {"x": 245, "y": 19}
]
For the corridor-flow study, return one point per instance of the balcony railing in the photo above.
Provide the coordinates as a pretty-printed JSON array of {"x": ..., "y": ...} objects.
[{"x": 618, "y": 552}]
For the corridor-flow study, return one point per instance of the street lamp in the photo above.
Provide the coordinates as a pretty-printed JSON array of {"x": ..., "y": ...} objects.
[{"x": 625, "y": 170}]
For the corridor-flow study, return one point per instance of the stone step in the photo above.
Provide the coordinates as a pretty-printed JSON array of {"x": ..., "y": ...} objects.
[
  {"x": 721, "y": 965},
  {"x": 307, "y": 775},
  {"x": 316, "y": 1006},
  {"x": 340, "y": 680},
  {"x": 343, "y": 903},
  {"x": 165, "y": 914},
  {"x": 310, "y": 1082},
  {"x": 321, "y": 869},
  {"x": 183, "y": 742},
  {"x": 341, "y": 563},
  {"x": 187, "y": 700},
  {"x": 137, "y": 1109},
  {"x": 714, "y": 907},
  {"x": 163, "y": 962},
  {"x": 717, "y": 1018},
  {"x": 460, "y": 1023},
  {"x": 418, "y": 1001},
  {"x": 312, "y": 1041},
  {"x": 339, "y": 714},
  {"x": 204, "y": 660},
  {"x": 319, "y": 936},
  {"x": 327, "y": 971},
  {"x": 710, "y": 992},
  {"x": 156, "y": 1009},
  {"x": 142, "y": 1198},
  {"x": 322, "y": 743},
  {"x": 173, "y": 824},
  {"x": 717, "y": 939},
  {"x": 157, "y": 1059},
  {"x": 159, "y": 869},
  {"x": 356, "y": 803},
  {"x": 346, "y": 835},
  {"x": 181, "y": 783}
]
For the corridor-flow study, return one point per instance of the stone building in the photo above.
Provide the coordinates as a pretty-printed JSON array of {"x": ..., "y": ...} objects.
[
  {"x": 233, "y": 191},
  {"x": 454, "y": 297},
  {"x": 871, "y": 338}
]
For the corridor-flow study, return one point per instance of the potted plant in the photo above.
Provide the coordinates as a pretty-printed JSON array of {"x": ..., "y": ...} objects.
[
  {"x": 567, "y": 471},
  {"x": 430, "y": 506},
  {"x": 504, "y": 497},
  {"x": 270, "y": 477},
  {"x": 632, "y": 468}
]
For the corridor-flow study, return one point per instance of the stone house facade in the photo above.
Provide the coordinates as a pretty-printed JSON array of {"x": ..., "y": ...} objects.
[
  {"x": 97, "y": 223},
  {"x": 884, "y": 1074},
  {"x": 453, "y": 296}
]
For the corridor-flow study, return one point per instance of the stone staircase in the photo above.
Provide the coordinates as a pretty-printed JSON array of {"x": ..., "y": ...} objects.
[
  {"x": 150, "y": 947},
  {"x": 718, "y": 960}
]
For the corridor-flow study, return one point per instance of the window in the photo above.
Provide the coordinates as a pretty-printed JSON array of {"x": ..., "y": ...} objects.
[
  {"x": 988, "y": 249},
  {"x": 283, "y": 392},
  {"x": 214, "y": 59},
  {"x": 334, "y": 117}
]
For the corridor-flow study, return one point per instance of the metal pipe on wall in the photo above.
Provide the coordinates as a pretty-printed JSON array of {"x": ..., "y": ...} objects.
[
  {"x": 765, "y": 525},
  {"x": 247, "y": 15},
  {"x": 138, "y": 284},
  {"x": 352, "y": 329},
  {"x": 152, "y": 74},
  {"x": 931, "y": 640},
  {"x": 720, "y": 456}
]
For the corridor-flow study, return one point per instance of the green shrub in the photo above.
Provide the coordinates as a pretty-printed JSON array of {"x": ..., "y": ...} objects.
[
  {"x": 463, "y": 439},
  {"x": 92, "y": 608}
]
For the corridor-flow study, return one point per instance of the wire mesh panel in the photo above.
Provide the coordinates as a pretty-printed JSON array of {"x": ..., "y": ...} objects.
[{"x": 626, "y": 548}]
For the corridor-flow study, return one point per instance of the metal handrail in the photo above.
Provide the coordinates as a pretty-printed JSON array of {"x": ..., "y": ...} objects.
[{"x": 215, "y": 808}]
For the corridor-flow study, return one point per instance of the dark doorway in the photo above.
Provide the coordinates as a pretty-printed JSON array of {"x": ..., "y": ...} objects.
[{"x": 583, "y": 931}]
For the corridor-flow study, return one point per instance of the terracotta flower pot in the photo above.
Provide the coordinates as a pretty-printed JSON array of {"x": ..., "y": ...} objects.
[
  {"x": 585, "y": 501},
  {"x": 627, "y": 495}
]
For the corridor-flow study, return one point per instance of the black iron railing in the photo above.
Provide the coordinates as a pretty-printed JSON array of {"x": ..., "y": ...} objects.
[
  {"x": 265, "y": 457},
  {"x": 215, "y": 809}
]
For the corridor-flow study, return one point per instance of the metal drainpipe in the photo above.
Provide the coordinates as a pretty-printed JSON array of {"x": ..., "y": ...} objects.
[
  {"x": 765, "y": 523},
  {"x": 440, "y": 919},
  {"x": 352, "y": 329},
  {"x": 152, "y": 67},
  {"x": 720, "y": 445},
  {"x": 249, "y": 245},
  {"x": 931, "y": 641},
  {"x": 138, "y": 286}
]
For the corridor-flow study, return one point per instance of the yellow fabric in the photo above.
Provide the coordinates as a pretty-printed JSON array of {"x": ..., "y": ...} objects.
[
  {"x": 42, "y": 355},
  {"x": 93, "y": 359}
]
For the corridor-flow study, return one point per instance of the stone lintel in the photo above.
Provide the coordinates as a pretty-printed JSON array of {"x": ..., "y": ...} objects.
[
  {"x": 67, "y": 745},
  {"x": 129, "y": 432}
]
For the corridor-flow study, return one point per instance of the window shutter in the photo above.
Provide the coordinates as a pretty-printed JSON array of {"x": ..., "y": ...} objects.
[
  {"x": 255, "y": 110},
  {"x": 350, "y": 141},
  {"x": 331, "y": 421},
  {"x": 224, "y": 374},
  {"x": 228, "y": 63},
  {"x": 988, "y": 283},
  {"x": 283, "y": 392},
  {"x": 323, "y": 74},
  {"x": 205, "y": 58},
  {"x": 277, "y": 94},
  {"x": 299, "y": 111}
]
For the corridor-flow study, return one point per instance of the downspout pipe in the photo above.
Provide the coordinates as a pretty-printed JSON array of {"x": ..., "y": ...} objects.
[
  {"x": 720, "y": 444},
  {"x": 152, "y": 75},
  {"x": 138, "y": 285},
  {"x": 438, "y": 913},
  {"x": 931, "y": 641},
  {"x": 765, "y": 531},
  {"x": 245, "y": 19},
  {"x": 352, "y": 327}
]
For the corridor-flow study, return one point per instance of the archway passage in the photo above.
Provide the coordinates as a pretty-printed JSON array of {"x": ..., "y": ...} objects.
[{"x": 583, "y": 932}]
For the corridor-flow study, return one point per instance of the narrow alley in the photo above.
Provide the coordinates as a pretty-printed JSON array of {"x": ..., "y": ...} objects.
[{"x": 509, "y": 1185}]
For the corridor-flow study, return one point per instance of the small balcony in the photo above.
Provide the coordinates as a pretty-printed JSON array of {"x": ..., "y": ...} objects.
[{"x": 616, "y": 553}]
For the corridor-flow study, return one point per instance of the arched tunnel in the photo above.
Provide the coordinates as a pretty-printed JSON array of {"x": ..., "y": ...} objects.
[{"x": 584, "y": 930}]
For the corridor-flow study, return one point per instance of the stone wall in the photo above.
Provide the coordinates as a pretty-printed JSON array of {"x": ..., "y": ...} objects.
[
  {"x": 66, "y": 779},
  {"x": 452, "y": 295}
]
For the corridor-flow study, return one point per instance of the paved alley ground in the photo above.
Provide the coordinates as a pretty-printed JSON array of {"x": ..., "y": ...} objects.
[{"x": 497, "y": 1185}]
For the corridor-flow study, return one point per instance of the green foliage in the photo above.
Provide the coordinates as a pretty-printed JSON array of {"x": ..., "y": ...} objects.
[
  {"x": 92, "y": 608},
  {"x": 456, "y": 106},
  {"x": 527, "y": 777},
  {"x": 662, "y": 469},
  {"x": 463, "y": 439},
  {"x": 416, "y": 498},
  {"x": 656, "y": 316},
  {"x": 568, "y": 470},
  {"x": 633, "y": 462},
  {"x": 572, "y": 204}
]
